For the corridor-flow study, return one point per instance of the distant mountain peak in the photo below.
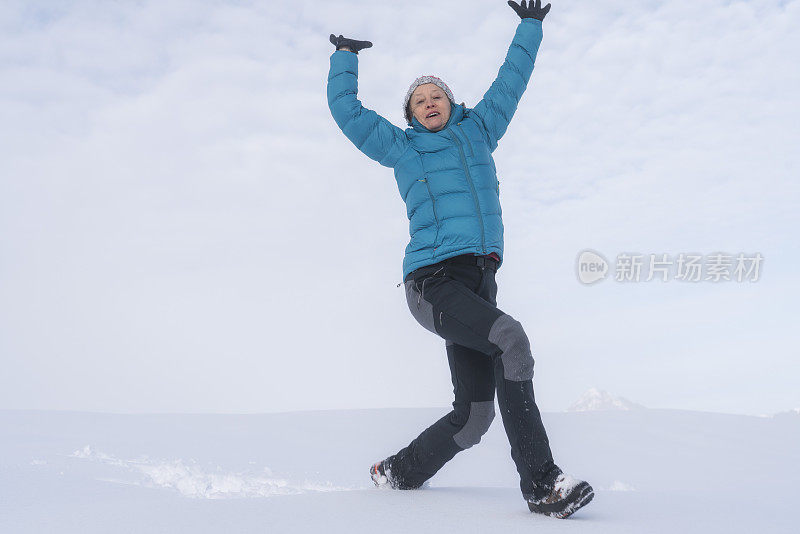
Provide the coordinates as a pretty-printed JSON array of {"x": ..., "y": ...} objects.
[
  {"x": 597, "y": 399},
  {"x": 795, "y": 412}
]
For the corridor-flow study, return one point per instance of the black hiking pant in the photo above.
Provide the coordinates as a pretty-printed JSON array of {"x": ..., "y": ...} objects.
[{"x": 487, "y": 351}]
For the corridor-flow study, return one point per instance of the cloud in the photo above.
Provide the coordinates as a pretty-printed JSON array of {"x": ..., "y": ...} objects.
[{"x": 185, "y": 228}]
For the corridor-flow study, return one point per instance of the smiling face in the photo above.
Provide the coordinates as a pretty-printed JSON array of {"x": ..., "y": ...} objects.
[{"x": 430, "y": 106}]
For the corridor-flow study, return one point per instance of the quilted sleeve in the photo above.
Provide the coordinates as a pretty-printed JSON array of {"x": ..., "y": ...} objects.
[
  {"x": 372, "y": 134},
  {"x": 500, "y": 101}
]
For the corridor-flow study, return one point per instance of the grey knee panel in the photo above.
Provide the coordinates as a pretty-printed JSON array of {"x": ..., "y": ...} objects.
[
  {"x": 480, "y": 419},
  {"x": 507, "y": 333},
  {"x": 421, "y": 309}
]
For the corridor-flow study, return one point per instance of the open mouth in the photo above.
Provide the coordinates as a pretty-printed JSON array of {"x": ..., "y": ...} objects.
[{"x": 433, "y": 114}]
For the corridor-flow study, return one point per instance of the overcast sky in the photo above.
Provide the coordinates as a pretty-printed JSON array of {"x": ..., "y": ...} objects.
[{"x": 183, "y": 228}]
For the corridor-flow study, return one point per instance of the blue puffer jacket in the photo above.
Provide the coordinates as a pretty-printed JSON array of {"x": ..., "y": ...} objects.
[{"x": 447, "y": 178}]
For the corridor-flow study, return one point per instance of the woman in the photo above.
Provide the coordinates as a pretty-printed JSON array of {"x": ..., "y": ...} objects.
[{"x": 446, "y": 176}]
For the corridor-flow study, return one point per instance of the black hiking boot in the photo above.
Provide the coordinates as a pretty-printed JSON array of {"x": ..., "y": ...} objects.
[
  {"x": 566, "y": 497},
  {"x": 382, "y": 476}
]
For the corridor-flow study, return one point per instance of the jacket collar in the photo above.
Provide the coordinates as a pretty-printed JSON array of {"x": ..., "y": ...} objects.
[{"x": 456, "y": 114}]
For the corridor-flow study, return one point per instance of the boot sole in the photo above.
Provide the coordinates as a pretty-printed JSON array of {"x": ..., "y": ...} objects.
[{"x": 577, "y": 499}]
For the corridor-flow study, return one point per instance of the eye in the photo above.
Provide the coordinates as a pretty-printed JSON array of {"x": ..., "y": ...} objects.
[{"x": 437, "y": 97}]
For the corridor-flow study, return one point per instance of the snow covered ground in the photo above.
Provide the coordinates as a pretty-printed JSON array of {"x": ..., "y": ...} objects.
[{"x": 654, "y": 471}]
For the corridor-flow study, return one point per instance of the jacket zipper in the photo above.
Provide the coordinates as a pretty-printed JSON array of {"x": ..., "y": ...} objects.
[
  {"x": 472, "y": 187},
  {"x": 469, "y": 145}
]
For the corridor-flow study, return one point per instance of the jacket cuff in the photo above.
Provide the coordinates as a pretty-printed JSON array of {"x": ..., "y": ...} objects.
[{"x": 342, "y": 60}]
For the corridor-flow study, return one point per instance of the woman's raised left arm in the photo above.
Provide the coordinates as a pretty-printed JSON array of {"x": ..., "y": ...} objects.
[{"x": 500, "y": 102}]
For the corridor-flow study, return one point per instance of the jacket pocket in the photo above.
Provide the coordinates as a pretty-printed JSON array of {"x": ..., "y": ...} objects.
[
  {"x": 435, "y": 216},
  {"x": 420, "y": 309}
]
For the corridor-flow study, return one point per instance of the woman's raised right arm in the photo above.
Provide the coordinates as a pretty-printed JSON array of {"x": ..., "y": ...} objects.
[{"x": 372, "y": 134}]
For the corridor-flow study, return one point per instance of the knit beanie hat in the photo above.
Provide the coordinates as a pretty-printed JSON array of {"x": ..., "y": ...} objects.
[{"x": 422, "y": 80}]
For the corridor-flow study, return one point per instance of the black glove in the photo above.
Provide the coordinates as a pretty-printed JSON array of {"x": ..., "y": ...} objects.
[
  {"x": 530, "y": 11},
  {"x": 352, "y": 44}
]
